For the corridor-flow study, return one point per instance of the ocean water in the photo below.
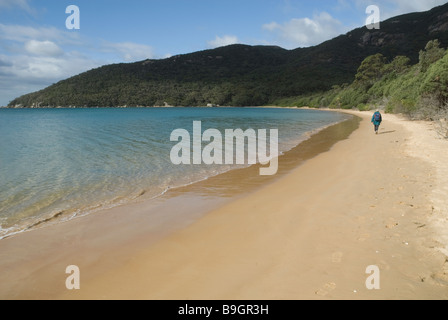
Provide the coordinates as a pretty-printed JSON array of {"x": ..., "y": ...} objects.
[{"x": 65, "y": 163}]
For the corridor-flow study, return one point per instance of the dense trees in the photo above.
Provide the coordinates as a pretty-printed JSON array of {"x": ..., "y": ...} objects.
[
  {"x": 435, "y": 82},
  {"x": 371, "y": 70},
  {"x": 236, "y": 75},
  {"x": 420, "y": 90},
  {"x": 431, "y": 54}
]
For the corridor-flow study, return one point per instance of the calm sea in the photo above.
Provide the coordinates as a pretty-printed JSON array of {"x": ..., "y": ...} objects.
[{"x": 71, "y": 162}]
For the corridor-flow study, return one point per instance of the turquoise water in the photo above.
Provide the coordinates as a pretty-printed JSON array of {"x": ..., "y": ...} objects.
[{"x": 71, "y": 162}]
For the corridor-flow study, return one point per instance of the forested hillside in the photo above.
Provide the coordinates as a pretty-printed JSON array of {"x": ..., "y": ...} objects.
[{"x": 241, "y": 75}]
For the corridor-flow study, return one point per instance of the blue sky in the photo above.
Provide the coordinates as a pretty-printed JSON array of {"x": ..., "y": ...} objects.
[{"x": 36, "y": 48}]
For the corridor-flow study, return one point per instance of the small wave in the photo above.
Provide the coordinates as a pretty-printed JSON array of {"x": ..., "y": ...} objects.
[
  {"x": 47, "y": 220},
  {"x": 141, "y": 193},
  {"x": 11, "y": 231},
  {"x": 4, "y": 232}
]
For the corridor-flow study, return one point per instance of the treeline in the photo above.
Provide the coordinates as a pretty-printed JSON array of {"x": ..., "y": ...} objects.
[{"x": 419, "y": 90}]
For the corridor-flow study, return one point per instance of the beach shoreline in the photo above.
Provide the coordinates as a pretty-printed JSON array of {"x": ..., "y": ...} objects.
[
  {"x": 309, "y": 234},
  {"x": 137, "y": 224},
  {"x": 136, "y": 190}
]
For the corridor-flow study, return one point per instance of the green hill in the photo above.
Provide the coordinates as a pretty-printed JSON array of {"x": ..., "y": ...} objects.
[
  {"x": 241, "y": 75},
  {"x": 419, "y": 91}
]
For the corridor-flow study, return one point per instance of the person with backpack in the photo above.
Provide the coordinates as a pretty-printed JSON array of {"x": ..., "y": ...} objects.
[{"x": 376, "y": 120}]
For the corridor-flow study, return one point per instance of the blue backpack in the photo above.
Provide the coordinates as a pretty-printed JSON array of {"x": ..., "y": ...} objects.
[{"x": 377, "y": 117}]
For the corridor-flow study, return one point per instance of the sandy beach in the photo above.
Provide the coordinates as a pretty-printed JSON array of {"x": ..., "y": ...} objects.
[{"x": 371, "y": 200}]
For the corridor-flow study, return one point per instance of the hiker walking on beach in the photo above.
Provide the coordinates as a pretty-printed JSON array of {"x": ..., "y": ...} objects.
[{"x": 376, "y": 120}]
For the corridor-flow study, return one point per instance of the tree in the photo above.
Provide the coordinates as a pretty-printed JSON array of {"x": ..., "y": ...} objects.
[
  {"x": 399, "y": 65},
  {"x": 431, "y": 54},
  {"x": 435, "y": 83},
  {"x": 371, "y": 70}
]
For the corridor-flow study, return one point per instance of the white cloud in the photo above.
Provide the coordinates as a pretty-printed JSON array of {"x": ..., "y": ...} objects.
[
  {"x": 19, "y": 33},
  {"x": 129, "y": 51},
  {"x": 52, "y": 68},
  {"x": 21, "y": 74},
  {"x": 44, "y": 68},
  {"x": 43, "y": 48},
  {"x": 4, "y": 63},
  {"x": 22, "y": 4},
  {"x": 223, "y": 41},
  {"x": 306, "y": 32},
  {"x": 34, "y": 58}
]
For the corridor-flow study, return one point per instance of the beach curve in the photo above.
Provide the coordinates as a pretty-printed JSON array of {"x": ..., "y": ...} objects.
[{"x": 309, "y": 235}]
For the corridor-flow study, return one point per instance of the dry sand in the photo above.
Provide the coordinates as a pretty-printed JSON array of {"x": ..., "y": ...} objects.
[{"x": 311, "y": 234}]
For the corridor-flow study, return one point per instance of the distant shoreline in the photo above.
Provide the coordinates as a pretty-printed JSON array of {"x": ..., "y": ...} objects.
[{"x": 150, "y": 107}]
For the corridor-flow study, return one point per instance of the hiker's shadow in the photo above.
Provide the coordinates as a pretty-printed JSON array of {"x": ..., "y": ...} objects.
[{"x": 387, "y": 132}]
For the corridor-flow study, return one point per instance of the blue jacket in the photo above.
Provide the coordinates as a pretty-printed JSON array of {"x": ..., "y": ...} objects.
[{"x": 377, "y": 123}]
